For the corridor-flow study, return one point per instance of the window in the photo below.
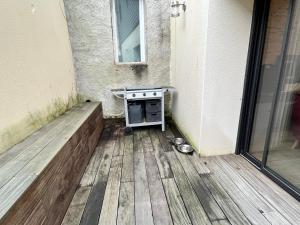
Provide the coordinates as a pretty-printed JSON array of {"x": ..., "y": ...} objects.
[{"x": 129, "y": 31}]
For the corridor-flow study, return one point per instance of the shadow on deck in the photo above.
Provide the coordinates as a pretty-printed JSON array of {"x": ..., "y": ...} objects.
[{"x": 139, "y": 179}]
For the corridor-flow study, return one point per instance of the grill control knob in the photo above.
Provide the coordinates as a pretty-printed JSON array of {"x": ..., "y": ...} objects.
[
  {"x": 144, "y": 94},
  {"x": 133, "y": 95},
  {"x": 154, "y": 93}
]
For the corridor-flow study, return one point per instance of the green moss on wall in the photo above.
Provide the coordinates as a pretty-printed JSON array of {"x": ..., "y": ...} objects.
[{"x": 34, "y": 121}]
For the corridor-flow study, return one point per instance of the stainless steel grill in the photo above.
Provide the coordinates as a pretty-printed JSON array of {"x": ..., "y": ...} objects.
[{"x": 135, "y": 101}]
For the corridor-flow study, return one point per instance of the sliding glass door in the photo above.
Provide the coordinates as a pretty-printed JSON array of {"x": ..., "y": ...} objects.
[{"x": 272, "y": 127}]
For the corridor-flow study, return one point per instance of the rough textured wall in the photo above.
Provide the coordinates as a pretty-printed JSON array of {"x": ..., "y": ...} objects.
[
  {"x": 209, "y": 52},
  {"x": 90, "y": 28},
  {"x": 37, "y": 79}
]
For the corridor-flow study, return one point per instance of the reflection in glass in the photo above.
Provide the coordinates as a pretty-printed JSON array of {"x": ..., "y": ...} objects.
[
  {"x": 284, "y": 149},
  {"x": 277, "y": 112},
  {"x": 269, "y": 75},
  {"x": 128, "y": 28}
]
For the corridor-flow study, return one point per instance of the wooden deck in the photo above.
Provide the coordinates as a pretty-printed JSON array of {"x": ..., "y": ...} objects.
[
  {"x": 39, "y": 176},
  {"x": 139, "y": 179}
]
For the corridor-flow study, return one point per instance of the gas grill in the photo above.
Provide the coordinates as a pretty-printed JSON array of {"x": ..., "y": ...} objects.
[{"x": 143, "y": 106}]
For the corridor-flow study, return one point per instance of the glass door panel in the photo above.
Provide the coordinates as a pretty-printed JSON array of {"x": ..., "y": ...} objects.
[
  {"x": 284, "y": 147},
  {"x": 269, "y": 74}
]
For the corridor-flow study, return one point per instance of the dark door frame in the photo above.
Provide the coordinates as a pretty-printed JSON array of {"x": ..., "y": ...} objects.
[{"x": 251, "y": 85}]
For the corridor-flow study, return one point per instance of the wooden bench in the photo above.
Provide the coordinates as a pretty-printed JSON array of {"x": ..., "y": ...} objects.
[{"x": 39, "y": 176}]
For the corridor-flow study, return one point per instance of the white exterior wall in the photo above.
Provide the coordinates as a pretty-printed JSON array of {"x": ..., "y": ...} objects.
[
  {"x": 208, "y": 69},
  {"x": 36, "y": 67},
  {"x": 188, "y": 46}
]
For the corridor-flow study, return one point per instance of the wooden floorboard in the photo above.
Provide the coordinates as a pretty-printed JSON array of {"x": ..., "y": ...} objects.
[
  {"x": 190, "y": 199},
  {"x": 279, "y": 199},
  {"x": 109, "y": 213},
  {"x": 45, "y": 175},
  {"x": 140, "y": 179},
  {"x": 143, "y": 210},
  {"x": 12, "y": 153},
  {"x": 94, "y": 203},
  {"x": 76, "y": 208},
  {"x": 126, "y": 215},
  {"x": 210, "y": 206},
  {"x": 93, "y": 166},
  {"x": 253, "y": 214},
  {"x": 230, "y": 209},
  {"x": 160, "y": 209},
  {"x": 161, "y": 158},
  {"x": 127, "y": 170},
  {"x": 177, "y": 208},
  {"x": 11, "y": 168}
]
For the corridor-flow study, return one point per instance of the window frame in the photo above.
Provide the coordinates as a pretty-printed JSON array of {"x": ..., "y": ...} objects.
[{"x": 142, "y": 35}]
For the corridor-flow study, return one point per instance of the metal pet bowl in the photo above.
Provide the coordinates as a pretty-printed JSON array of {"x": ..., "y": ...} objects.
[
  {"x": 178, "y": 141},
  {"x": 185, "y": 148}
]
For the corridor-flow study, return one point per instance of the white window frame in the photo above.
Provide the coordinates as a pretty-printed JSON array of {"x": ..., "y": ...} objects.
[{"x": 142, "y": 35}]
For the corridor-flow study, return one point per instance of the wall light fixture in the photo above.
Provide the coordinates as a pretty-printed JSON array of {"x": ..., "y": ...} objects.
[{"x": 175, "y": 5}]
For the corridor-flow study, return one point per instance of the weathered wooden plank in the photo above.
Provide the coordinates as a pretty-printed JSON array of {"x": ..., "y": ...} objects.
[
  {"x": 105, "y": 163},
  {"x": 278, "y": 198},
  {"x": 117, "y": 161},
  {"x": 12, "y": 191},
  {"x": 12, "y": 167},
  {"x": 50, "y": 144},
  {"x": 109, "y": 213},
  {"x": 275, "y": 218},
  {"x": 191, "y": 201},
  {"x": 64, "y": 182},
  {"x": 119, "y": 146},
  {"x": 76, "y": 208},
  {"x": 92, "y": 168},
  {"x": 22, "y": 201},
  {"x": 127, "y": 170},
  {"x": 12, "y": 153},
  {"x": 230, "y": 209},
  {"x": 71, "y": 172},
  {"x": 164, "y": 141},
  {"x": 160, "y": 209},
  {"x": 252, "y": 195},
  {"x": 68, "y": 137},
  {"x": 146, "y": 141},
  {"x": 128, "y": 146},
  {"x": 212, "y": 209},
  {"x": 143, "y": 211},
  {"x": 199, "y": 164},
  {"x": 94, "y": 204},
  {"x": 177, "y": 207},
  {"x": 37, "y": 216},
  {"x": 266, "y": 182},
  {"x": 221, "y": 222},
  {"x": 161, "y": 158},
  {"x": 126, "y": 204},
  {"x": 250, "y": 211},
  {"x": 137, "y": 143}
]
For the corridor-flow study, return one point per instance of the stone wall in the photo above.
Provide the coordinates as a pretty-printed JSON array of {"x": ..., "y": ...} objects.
[{"x": 91, "y": 35}]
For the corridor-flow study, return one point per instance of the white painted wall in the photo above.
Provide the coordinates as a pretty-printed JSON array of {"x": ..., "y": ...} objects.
[
  {"x": 36, "y": 67},
  {"x": 188, "y": 46},
  {"x": 208, "y": 69}
]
